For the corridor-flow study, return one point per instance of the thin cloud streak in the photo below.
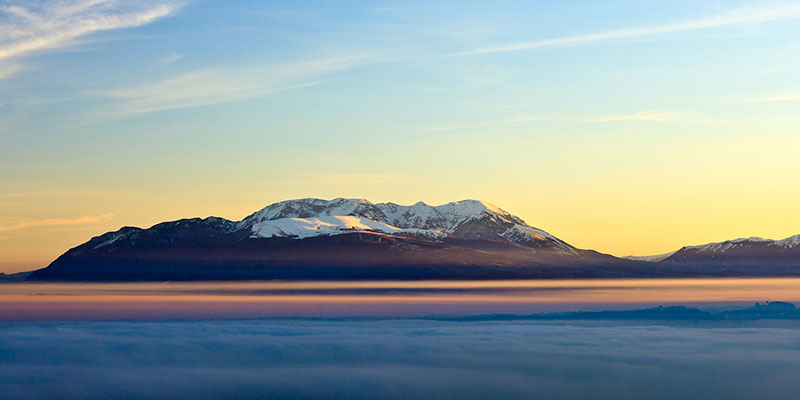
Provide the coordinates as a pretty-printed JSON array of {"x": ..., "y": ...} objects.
[
  {"x": 489, "y": 124},
  {"x": 8, "y": 69},
  {"x": 772, "y": 99},
  {"x": 217, "y": 86},
  {"x": 364, "y": 179},
  {"x": 171, "y": 58},
  {"x": 28, "y": 30},
  {"x": 84, "y": 219},
  {"x": 741, "y": 16},
  {"x": 655, "y": 116}
]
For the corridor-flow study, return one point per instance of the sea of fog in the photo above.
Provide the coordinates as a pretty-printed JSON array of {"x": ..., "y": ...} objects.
[
  {"x": 392, "y": 340},
  {"x": 396, "y": 359}
]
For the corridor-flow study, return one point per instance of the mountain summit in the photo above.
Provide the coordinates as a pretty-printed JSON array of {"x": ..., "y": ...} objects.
[{"x": 466, "y": 219}]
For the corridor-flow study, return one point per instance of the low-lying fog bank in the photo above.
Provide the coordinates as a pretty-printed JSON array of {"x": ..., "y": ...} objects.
[{"x": 396, "y": 359}]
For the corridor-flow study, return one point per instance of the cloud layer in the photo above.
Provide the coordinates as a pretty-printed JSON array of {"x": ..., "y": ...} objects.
[{"x": 395, "y": 359}]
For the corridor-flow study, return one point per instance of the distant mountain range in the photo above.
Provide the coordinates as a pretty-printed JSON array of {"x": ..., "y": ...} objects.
[
  {"x": 17, "y": 277},
  {"x": 746, "y": 256},
  {"x": 346, "y": 239},
  {"x": 776, "y": 310}
]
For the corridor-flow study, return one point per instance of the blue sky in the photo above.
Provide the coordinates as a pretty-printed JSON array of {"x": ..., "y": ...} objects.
[{"x": 595, "y": 120}]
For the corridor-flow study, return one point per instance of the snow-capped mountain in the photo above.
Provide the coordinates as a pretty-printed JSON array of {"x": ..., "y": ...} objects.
[
  {"x": 741, "y": 246},
  {"x": 466, "y": 219},
  {"x": 741, "y": 256},
  {"x": 335, "y": 239},
  {"x": 744, "y": 243}
]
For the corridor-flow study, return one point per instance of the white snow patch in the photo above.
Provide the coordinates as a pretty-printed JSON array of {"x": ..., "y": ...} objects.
[
  {"x": 324, "y": 225},
  {"x": 312, "y": 217},
  {"x": 789, "y": 242},
  {"x": 719, "y": 247},
  {"x": 653, "y": 258}
]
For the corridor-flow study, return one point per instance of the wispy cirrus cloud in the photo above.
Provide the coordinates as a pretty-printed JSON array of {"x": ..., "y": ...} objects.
[
  {"x": 364, "y": 179},
  {"x": 171, "y": 58},
  {"x": 741, "y": 16},
  {"x": 7, "y": 70},
  {"x": 655, "y": 116},
  {"x": 84, "y": 219},
  {"x": 28, "y": 28},
  {"x": 772, "y": 99},
  {"x": 487, "y": 124},
  {"x": 217, "y": 86}
]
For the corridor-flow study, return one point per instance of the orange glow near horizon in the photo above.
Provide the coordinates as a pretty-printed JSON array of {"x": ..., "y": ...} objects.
[
  {"x": 314, "y": 299},
  {"x": 614, "y": 220}
]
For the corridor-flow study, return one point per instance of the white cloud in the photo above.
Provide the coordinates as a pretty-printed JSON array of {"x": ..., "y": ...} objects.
[
  {"x": 171, "y": 58},
  {"x": 8, "y": 69},
  {"x": 85, "y": 219},
  {"x": 370, "y": 179},
  {"x": 488, "y": 124},
  {"x": 655, "y": 116},
  {"x": 741, "y": 16},
  {"x": 28, "y": 28},
  {"x": 217, "y": 86},
  {"x": 772, "y": 99}
]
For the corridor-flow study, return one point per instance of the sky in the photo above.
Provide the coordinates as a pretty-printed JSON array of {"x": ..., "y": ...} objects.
[{"x": 631, "y": 128}]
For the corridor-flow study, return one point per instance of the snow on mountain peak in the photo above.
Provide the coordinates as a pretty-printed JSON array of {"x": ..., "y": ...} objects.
[
  {"x": 324, "y": 225},
  {"x": 473, "y": 206},
  {"x": 719, "y": 247},
  {"x": 789, "y": 242},
  {"x": 469, "y": 219},
  {"x": 724, "y": 246},
  {"x": 309, "y": 207}
]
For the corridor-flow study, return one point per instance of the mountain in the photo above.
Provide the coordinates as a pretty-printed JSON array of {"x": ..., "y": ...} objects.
[
  {"x": 653, "y": 258},
  {"x": 468, "y": 219},
  {"x": 769, "y": 310},
  {"x": 752, "y": 256},
  {"x": 740, "y": 248},
  {"x": 349, "y": 239},
  {"x": 16, "y": 277},
  {"x": 309, "y": 239}
]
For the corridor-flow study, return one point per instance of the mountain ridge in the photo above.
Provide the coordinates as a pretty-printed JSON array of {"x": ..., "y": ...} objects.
[
  {"x": 715, "y": 249},
  {"x": 452, "y": 218},
  {"x": 315, "y": 239}
]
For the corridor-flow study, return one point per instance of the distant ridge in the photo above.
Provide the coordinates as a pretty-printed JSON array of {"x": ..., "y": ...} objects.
[
  {"x": 17, "y": 277},
  {"x": 753, "y": 252},
  {"x": 653, "y": 258},
  {"x": 769, "y": 310}
]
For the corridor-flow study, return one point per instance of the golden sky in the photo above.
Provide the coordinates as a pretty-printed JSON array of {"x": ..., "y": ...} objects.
[{"x": 632, "y": 133}]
